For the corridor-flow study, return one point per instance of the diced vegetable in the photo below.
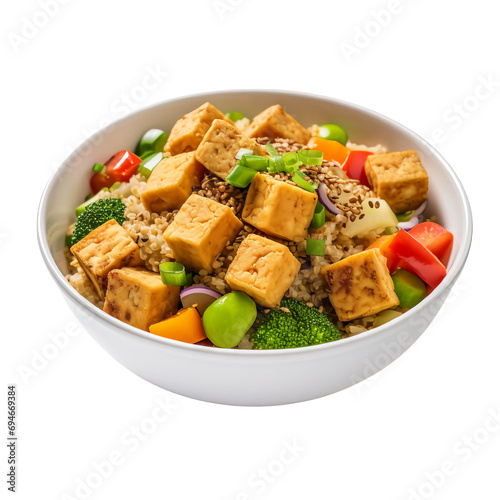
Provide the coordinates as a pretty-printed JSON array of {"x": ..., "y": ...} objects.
[
  {"x": 310, "y": 157},
  {"x": 300, "y": 179},
  {"x": 375, "y": 215},
  {"x": 228, "y": 319},
  {"x": 412, "y": 255},
  {"x": 259, "y": 163},
  {"x": 120, "y": 168},
  {"x": 174, "y": 273},
  {"x": 315, "y": 247},
  {"x": 318, "y": 219},
  {"x": 153, "y": 141},
  {"x": 185, "y": 326},
  {"x": 145, "y": 168},
  {"x": 332, "y": 150},
  {"x": 383, "y": 243},
  {"x": 333, "y": 132},
  {"x": 198, "y": 296},
  {"x": 241, "y": 176},
  {"x": 354, "y": 166},
  {"x": 436, "y": 238},
  {"x": 235, "y": 116},
  {"x": 409, "y": 288}
]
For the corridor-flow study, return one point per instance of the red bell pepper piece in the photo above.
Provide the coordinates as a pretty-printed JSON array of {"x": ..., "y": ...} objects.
[
  {"x": 354, "y": 166},
  {"x": 120, "y": 168},
  {"x": 436, "y": 238},
  {"x": 413, "y": 256}
]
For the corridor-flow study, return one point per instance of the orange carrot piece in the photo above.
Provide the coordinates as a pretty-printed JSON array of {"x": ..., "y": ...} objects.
[
  {"x": 185, "y": 326},
  {"x": 332, "y": 150}
]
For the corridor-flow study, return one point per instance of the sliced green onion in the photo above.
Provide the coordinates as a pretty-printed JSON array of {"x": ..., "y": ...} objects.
[
  {"x": 259, "y": 163},
  {"x": 243, "y": 151},
  {"x": 153, "y": 141},
  {"x": 241, "y": 176},
  {"x": 98, "y": 167},
  {"x": 404, "y": 216},
  {"x": 311, "y": 157},
  {"x": 271, "y": 149},
  {"x": 300, "y": 179},
  {"x": 146, "y": 167},
  {"x": 235, "y": 116},
  {"x": 276, "y": 164},
  {"x": 315, "y": 247},
  {"x": 81, "y": 208},
  {"x": 174, "y": 273},
  {"x": 318, "y": 219},
  {"x": 292, "y": 162},
  {"x": 115, "y": 186}
]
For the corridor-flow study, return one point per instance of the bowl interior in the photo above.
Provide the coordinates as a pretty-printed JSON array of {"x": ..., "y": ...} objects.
[{"x": 70, "y": 185}]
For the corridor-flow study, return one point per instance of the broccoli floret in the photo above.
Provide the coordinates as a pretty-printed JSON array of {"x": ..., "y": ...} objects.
[
  {"x": 302, "y": 326},
  {"x": 97, "y": 214}
]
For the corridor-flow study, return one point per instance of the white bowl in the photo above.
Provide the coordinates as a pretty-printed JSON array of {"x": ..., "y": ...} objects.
[{"x": 241, "y": 377}]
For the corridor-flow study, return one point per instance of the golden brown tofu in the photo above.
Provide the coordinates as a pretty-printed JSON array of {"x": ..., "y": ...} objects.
[
  {"x": 263, "y": 269},
  {"x": 220, "y": 145},
  {"x": 189, "y": 130},
  {"x": 278, "y": 208},
  {"x": 138, "y": 297},
  {"x": 200, "y": 231},
  {"x": 171, "y": 182},
  {"x": 360, "y": 285},
  {"x": 105, "y": 248},
  {"x": 399, "y": 178},
  {"x": 276, "y": 122}
]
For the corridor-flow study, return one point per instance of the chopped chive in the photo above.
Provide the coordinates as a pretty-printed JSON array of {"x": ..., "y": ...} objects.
[
  {"x": 311, "y": 157},
  {"x": 98, "y": 167},
  {"x": 318, "y": 219},
  {"x": 315, "y": 247},
  {"x": 174, "y": 273},
  {"x": 300, "y": 179},
  {"x": 241, "y": 176}
]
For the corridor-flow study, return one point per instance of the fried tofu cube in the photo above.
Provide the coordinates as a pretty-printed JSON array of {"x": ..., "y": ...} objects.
[
  {"x": 399, "y": 178},
  {"x": 188, "y": 131},
  {"x": 360, "y": 285},
  {"x": 171, "y": 182},
  {"x": 105, "y": 248},
  {"x": 138, "y": 297},
  {"x": 220, "y": 145},
  {"x": 200, "y": 231},
  {"x": 263, "y": 269},
  {"x": 276, "y": 122},
  {"x": 279, "y": 209}
]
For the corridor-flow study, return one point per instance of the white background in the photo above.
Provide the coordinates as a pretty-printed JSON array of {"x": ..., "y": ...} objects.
[{"x": 431, "y": 409}]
